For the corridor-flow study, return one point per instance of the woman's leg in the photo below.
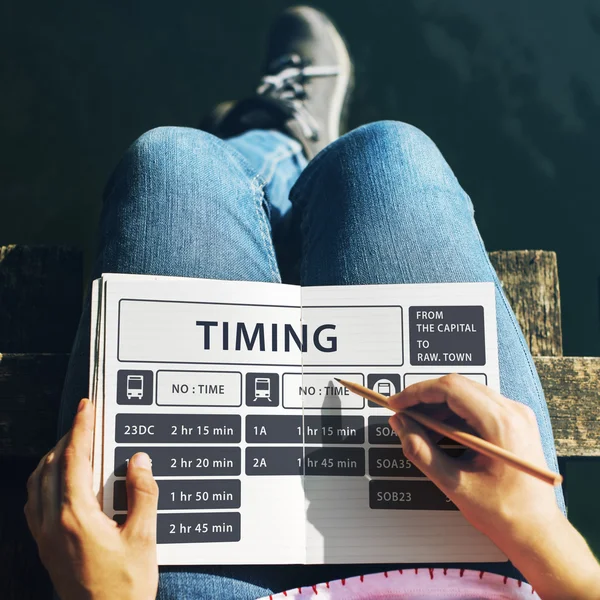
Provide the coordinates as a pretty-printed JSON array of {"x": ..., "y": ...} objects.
[
  {"x": 183, "y": 202},
  {"x": 381, "y": 205}
]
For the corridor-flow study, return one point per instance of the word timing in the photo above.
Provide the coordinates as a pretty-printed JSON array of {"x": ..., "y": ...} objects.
[{"x": 237, "y": 336}]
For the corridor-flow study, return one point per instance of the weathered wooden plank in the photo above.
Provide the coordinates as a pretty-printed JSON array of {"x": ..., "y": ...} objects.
[
  {"x": 572, "y": 388},
  {"x": 40, "y": 298},
  {"x": 30, "y": 389},
  {"x": 530, "y": 282}
]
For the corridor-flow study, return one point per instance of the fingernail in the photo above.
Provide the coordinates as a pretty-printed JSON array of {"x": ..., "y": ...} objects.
[
  {"x": 82, "y": 405},
  {"x": 142, "y": 460}
]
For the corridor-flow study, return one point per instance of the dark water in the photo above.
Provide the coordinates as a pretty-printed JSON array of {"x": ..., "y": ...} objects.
[{"x": 510, "y": 92}]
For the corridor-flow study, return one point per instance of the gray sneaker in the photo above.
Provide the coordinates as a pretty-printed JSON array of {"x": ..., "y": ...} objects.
[{"x": 305, "y": 89}]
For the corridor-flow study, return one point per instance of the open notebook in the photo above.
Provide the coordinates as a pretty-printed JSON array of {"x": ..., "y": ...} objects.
[{"x": 260, "y": 455}]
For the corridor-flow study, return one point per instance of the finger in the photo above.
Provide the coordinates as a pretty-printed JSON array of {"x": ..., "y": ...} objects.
[
  {"x": 474, "y": 403},
  {"x": 493, "y": 394},
  {"x": 142, "y": 499},
  {"x": 422, "y": 451},
  {"x": 50, "y": 495},
  {"x": 459, "y": 423},
  {"x": 77, "y": 467},
  {"x": 441, "y": 412}
]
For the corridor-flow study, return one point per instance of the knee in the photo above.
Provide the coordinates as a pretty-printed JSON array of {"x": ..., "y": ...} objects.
[
  {"x": 397, "y": 132},
  {"x": 399, "y": 149},
  {"x": 385, "y": 166},
  {"x": 168, "y": 160},
  {"x": 166, "y": 147}
]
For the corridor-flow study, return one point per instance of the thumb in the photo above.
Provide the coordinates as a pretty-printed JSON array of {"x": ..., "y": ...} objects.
[
  {"x": 418, "y": 447},
  {"x": 142, "y": 499}
]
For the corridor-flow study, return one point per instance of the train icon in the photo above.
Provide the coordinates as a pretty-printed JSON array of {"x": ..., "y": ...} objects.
[
  {"x": 386, "y": 384},
  {"x": 384, "y": 387},
  {"x": 262, "y": 388}
]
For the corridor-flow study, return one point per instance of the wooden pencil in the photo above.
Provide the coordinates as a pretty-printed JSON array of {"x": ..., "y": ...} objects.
[{"x": 462, "y": 437}]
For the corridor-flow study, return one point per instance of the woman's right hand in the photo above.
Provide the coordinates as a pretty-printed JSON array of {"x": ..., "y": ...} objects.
[
  {"x": 495, "y": 497},
  {"x": 516, "y": 511}
]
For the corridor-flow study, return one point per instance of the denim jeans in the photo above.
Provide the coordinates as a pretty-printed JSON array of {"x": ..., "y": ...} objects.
[{"x": 379, "y": 205}]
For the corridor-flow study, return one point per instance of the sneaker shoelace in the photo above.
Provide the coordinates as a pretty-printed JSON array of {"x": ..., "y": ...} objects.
[{"x": 287, "y": 84}]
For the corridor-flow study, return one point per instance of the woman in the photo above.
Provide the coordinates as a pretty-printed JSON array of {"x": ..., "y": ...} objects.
[{"x": 272, "y": 191}]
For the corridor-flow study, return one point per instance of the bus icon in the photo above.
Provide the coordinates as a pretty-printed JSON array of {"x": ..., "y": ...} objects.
[{"x": 135, "y": 387}]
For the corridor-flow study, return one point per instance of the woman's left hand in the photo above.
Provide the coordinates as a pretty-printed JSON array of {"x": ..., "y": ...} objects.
[{"x": 85, "y": 552}]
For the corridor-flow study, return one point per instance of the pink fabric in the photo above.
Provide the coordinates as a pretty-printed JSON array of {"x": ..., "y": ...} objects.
[{"x": 416, "y": 584}]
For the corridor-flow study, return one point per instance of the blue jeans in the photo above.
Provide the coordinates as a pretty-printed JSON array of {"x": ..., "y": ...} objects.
[{"x": 379, "y": 205}]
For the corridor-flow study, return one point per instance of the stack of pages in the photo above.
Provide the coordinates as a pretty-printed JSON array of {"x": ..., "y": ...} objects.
[{"x": 261, "y": 456}]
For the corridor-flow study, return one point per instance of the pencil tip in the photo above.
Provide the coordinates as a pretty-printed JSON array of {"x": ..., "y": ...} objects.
[{"x": 338, "y": 380}]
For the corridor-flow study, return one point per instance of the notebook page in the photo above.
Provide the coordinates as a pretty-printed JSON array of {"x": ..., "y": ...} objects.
[
  {"x": 192, "y": 377},
  {"x": 364, "y": 501}
]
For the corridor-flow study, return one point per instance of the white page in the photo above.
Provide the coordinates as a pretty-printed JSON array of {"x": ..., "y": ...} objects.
[
  {"x": 289, "y": 518},
  {"x": 264, "y": 515},
  {"x": 345, "y": 521}
]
